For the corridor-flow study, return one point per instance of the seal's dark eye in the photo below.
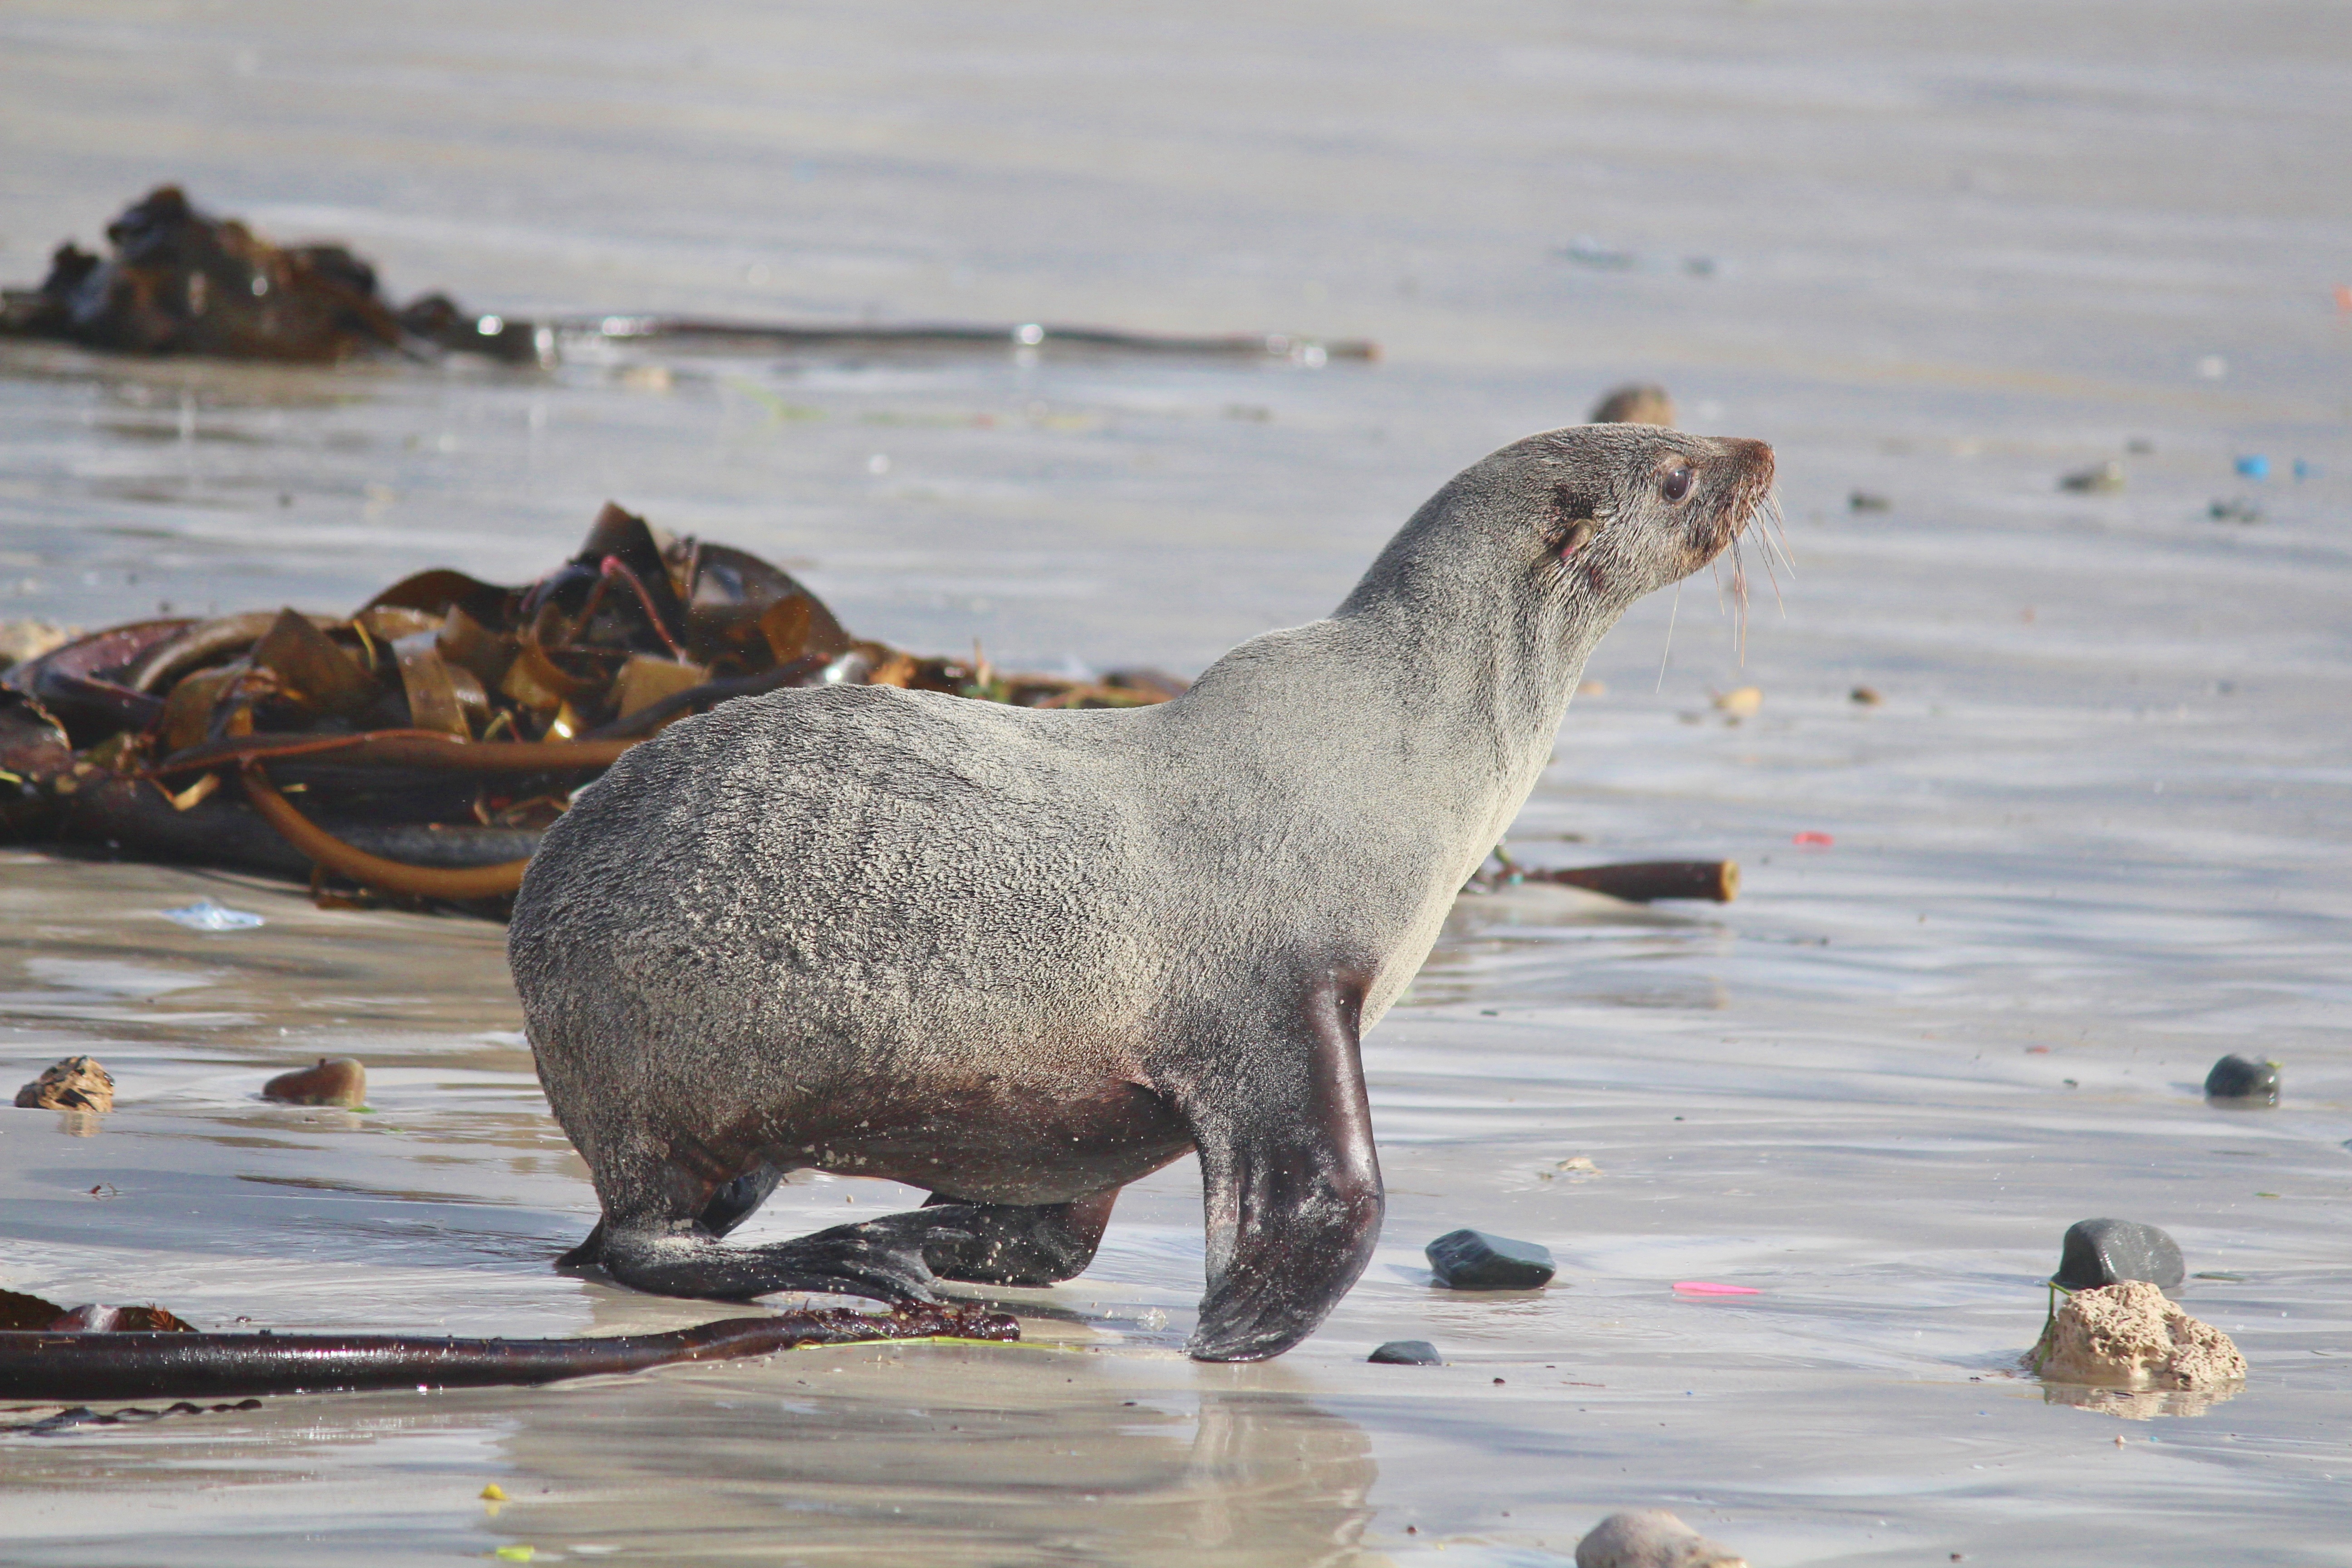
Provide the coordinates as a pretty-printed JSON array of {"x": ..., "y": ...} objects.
[{"x": 1677, "y": 482}]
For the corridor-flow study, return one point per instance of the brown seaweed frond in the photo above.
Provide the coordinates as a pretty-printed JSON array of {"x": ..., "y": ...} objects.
[{"x": 432, "y": 734}]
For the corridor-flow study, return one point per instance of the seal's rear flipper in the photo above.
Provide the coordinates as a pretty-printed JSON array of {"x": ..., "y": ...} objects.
[
  {"x": 1290, "y": 1178},
  {"x": 1013, "y": 1244},
  {"x": 881, "y": 1258}
]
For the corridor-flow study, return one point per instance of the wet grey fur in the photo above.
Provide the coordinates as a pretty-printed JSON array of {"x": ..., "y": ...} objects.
[{"x": 1019, "y": 958}]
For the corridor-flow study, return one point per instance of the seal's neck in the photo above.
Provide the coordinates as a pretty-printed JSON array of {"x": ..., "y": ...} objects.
[
  {"x": 1479, "y": 643},
  {"x": 1434, "y": 694}
]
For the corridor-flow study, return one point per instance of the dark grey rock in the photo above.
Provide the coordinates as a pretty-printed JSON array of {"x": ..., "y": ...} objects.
[
  {"x": 2235, "y": 1078},
  {"x": 2107, "y": 1251},
  {"x": 1473, "y": 1260},
  {"x": 1407, "y": 1352}
]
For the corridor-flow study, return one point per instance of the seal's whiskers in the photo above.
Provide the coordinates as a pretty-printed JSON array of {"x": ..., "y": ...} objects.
[
  {"x": 1667, "y": 652},
  {"x": 1776, "y": 535},
  {"x": 1739, "y": 595}
]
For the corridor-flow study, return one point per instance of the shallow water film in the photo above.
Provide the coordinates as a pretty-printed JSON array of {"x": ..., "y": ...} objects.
[{"x": 2094, "y": 832}]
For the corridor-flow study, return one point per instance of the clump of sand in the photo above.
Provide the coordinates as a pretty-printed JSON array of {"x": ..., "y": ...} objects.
[
  {"x": 76, "y": 1083},
  {"x": 1651, "y": 1538},
  {"x": 2129, "y": 1335},
  {"x": 21, "y": 642},
  {"x": 1634, "y": 404}
]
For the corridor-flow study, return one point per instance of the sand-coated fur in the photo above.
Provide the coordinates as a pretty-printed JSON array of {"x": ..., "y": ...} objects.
[{"x": 1019, "y": 958}]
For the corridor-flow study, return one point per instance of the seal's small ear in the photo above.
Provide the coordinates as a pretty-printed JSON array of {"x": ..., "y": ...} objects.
[
  {"x": 1576, "y": 514},
  {"x": 1571, "y": 504}
]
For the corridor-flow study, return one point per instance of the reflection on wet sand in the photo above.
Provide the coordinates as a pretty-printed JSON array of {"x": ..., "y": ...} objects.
[
  {"x": 942, "y": 1455},
  {"x": 2139, "y": 1403},
  {"x": 1508, "y": 945}
]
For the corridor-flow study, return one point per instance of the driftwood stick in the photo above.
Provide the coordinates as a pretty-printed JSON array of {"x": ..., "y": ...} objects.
[
  {"x": 400, "y": 748},
  {"x": 1641, "y": 881},
  {"x": 75, "y": 1368},
  {"x": 782, "y": 334}
]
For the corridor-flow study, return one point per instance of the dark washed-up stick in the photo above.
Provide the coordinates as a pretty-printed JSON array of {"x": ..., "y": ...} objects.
[
  {"x": 399, "y": 749},
  {"x": 77, "y": 1367},
  {"x": 1641, "y": 881},
  {"x": 1272, "y": 346}
]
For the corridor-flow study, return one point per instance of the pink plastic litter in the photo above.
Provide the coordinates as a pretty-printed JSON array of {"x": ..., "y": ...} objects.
[
  {"x": 1816, "y": 840},
  {"x": 1708, "y": 1288}
]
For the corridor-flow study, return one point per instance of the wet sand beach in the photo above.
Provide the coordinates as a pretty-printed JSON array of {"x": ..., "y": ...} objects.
[{"x": 2096, "y": 833}]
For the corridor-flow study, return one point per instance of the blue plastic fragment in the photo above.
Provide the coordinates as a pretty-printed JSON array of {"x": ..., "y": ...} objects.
[{"x": 2254, "y": 466}]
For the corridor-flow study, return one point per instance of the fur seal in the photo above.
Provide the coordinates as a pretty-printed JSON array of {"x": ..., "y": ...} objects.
[{"x": 1022, "y": 958}]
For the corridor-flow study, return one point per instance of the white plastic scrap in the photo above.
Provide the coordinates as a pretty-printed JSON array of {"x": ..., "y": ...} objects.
[{"x": 207, "y": 915}]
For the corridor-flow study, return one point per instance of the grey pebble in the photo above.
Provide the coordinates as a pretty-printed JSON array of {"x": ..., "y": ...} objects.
[
  {"x": 2098, "y": 1252},
  {"x": 2235, "y": 1078},
  {"x": 1407, "y": 1352},
  {"x": 1473, "y": 1260}
]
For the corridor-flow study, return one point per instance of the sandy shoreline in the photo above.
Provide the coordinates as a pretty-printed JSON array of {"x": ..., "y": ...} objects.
[{"x": 2099, "y": 833}]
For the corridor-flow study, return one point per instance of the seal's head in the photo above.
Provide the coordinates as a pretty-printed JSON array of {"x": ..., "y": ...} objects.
[
  {"x": 1558, "y": 535},
  {"x": 1636, "y": 507}
]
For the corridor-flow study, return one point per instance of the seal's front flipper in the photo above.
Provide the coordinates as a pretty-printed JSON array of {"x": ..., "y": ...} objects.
[
  {"x": 882, "y": 1259},
  {"x": 1014, "y": 1244},
  {"x": 1290, "y": 1178}
]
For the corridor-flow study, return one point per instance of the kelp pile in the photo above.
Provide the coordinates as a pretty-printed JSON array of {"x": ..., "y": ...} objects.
[
  {"x": 180, "y": 282},
  {"x": 415, "y": 749}
]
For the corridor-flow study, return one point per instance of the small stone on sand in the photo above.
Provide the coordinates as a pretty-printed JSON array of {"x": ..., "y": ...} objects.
[
  {"x": 338, "y": 1080},
  {"x": 2236, "y": 1078},
  {"x": 1407, "y": 1352},
  {"x": 2098, "y": 1252},
  {"x": 1867, "y": 696},
  {"x": 76, "y": 1083},
  {"x": 1652, "y": 1538},
  {"x": 1473, "y": 1260},
  {"x": 2130, "y": 1336},
  {"x": 1634, "y": 404},
  {"x": 24, "y": 641},
  {"x": 1868, "y": 500},
  {"x": 1740, "y": 701},
  {"x": 2106, "y": 478}
]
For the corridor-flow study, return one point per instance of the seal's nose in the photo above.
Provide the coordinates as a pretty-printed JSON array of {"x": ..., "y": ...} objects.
[{"x": 1755, "y": 460}]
